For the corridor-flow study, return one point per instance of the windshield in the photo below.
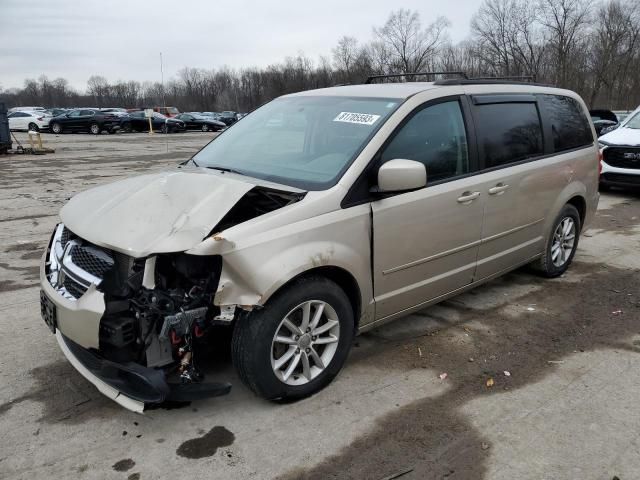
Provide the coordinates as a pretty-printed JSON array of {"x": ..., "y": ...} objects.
[
  {"x": 306, "y": 142},
  {"x": 633, "y": 122}
]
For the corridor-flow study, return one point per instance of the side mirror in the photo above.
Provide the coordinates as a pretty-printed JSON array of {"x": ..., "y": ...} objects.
[{"x": 401, "y": 175}]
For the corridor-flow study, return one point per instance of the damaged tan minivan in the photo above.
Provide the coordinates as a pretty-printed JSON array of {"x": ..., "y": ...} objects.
[{"x": 320, "y": 215}]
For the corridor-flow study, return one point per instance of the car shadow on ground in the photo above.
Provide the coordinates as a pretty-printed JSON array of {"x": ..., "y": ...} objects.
[{"x": 431, "y": 436}]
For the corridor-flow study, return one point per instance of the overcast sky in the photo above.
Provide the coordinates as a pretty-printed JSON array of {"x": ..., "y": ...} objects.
[{"x": 122, "y": 39}]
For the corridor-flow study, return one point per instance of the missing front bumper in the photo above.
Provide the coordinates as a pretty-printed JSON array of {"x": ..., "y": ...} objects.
[
  {"x": 132, "y": 385},
  {"x": 106, "y": 389}
]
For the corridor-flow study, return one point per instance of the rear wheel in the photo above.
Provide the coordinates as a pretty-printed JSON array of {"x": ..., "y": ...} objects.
[
  {"x": 94, "y": 128},
  {"x": 165, "y": 129},
  {"x": 205, "y": 127},
  {"x": 562, "y": 243},
  {"x": 33, "y": 127},
  {"x": 126, "y": 127},
  {"x": 56, "y": 128},
  {"x": 298, "y": 343}
]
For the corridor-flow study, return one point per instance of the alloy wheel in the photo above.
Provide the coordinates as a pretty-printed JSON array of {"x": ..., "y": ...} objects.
[
  {"x": 564, "y": 239},
  {"x": 305, "y": 342}
]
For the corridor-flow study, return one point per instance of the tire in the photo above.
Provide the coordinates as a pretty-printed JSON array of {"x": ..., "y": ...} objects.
[
  {"x": 165, "y": 129},
  {"x": 56, "y": 128},
  {"x": 205, "y": 127},
  {"x": 95, "y": 129},
  {"x": 254, "y": 347},
  {"x": 549, "y": 265},
  {"x": 33, "y": 128},
  {"x": 126, "y": 127}
]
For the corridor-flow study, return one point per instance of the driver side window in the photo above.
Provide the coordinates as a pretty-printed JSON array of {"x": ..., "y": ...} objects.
[{"x": 436, "y": 137}]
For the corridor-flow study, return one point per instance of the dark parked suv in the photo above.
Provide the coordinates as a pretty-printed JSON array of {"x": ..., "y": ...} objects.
[
  {"x": 87, "y": 120},
  {"x": 228, "y": 118},
  {"x": 137, "y": 122}
]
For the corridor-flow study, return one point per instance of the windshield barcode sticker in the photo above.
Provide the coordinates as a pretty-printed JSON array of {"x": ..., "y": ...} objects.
[{"x": 359, "y": 118}]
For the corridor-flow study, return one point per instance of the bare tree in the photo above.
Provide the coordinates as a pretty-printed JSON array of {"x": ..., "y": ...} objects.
[
  {"x": 567, "y": 23},
  {"x": 405, "y": 44}
]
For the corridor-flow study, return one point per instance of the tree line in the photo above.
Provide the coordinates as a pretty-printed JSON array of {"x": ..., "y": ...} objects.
[{"x": 588, "y": 46}]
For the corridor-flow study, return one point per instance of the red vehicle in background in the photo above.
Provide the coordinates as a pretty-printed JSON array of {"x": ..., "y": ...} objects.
[{"x": 167, "y": 111}]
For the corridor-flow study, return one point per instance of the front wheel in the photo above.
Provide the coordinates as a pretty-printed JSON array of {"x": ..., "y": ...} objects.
[
  {"x": 298, "y": 343},
  {"x": 165, "y": 129},
  {"x": 205, "y": 127},
  {"x": 56, "y": 128},
  {"x": 94, "y": 128},
  {"x": 562, "y": 243}
]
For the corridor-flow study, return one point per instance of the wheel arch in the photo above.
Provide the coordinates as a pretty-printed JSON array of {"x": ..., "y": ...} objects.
[
  {"x": 343, "y": 278},
  {"x": 575, "y": 194},
  {"x": 580, "y": 203}
]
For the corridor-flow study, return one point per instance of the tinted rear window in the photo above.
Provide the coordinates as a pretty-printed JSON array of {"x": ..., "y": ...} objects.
[
  {"x": 569, "y": 125},
  {"x": 508, "y": 132}
]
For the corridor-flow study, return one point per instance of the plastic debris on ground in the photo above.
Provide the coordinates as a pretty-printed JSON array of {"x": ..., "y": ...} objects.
[
  {"x": 443, "y": 375},
  {"x": 490, "y": 383},
  {"x": 507, "y": 373}
]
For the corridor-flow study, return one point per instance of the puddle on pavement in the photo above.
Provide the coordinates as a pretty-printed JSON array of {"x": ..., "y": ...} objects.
[
  {"x": 123, "y": 465},
  {"x": 207, "y": 444}
]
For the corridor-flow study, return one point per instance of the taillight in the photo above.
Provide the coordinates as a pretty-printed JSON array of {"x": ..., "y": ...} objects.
[{"x": 600, "y": 158}]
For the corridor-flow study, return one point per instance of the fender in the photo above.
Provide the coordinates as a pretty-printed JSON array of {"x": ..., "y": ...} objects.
[{"x": 257, "y": 262}]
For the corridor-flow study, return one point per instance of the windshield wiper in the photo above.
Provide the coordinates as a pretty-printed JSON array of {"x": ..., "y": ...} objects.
[
  {"x": 225, "y": 169},
  {"x": 186, "y": 162}
]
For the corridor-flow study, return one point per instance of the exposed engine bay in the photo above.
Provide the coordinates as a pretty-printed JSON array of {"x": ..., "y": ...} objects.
[
  {"x": 157, "y": 324},
  {"x": 158, "y": 310}
]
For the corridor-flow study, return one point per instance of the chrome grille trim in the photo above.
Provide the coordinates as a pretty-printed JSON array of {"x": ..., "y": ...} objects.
[{"x": 68, "y": 278}]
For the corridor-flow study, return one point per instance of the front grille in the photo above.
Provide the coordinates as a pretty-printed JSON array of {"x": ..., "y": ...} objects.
[
  {"x": 622, "y": 157},
  {"x": 64, "y": 238},
  {"x": 621, "y": 178},
  {"x": 91, "y": 259},
  {"x": 75, "y": 289},
  {"x": 74, "y": 264}
]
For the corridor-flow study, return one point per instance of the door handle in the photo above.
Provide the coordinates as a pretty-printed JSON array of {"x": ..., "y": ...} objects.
[
  {"x": 468, "y": 197},
  {"x": 499, "y": 189}
]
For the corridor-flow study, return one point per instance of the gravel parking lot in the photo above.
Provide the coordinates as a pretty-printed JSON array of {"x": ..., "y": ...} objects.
[{"x": 563, "y": 356}]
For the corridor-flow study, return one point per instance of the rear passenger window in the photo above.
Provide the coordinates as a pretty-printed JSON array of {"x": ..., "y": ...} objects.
[
  {"x": 436, "y": 137},
  {"x": 569, "y": 125},
  {"x": 508, "y": 132}
]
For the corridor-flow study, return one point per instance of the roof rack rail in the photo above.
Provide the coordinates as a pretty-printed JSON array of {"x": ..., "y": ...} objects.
[
  {"x": 372, "y": 78},
  {"x": 519, "y": 78},
  {"x": 504, "y": 80}
]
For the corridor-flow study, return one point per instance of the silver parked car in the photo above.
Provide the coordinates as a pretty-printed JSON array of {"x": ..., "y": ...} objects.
[{"x": 322, "y": 214}]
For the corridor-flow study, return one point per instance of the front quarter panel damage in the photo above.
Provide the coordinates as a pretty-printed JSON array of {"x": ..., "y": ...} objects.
[{"x": 256, "y": 262}]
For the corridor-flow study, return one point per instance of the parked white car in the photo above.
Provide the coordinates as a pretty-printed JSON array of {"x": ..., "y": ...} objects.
[
  {"x": 25, "y": 109},
  {"x": 620, "y": 154},
  {"x": 34, "y": 121}
]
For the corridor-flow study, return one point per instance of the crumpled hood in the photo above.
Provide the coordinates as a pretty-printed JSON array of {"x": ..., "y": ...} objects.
[
  {"x": 165, "y": 212},
  {"x": 622, "y": 136}
]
